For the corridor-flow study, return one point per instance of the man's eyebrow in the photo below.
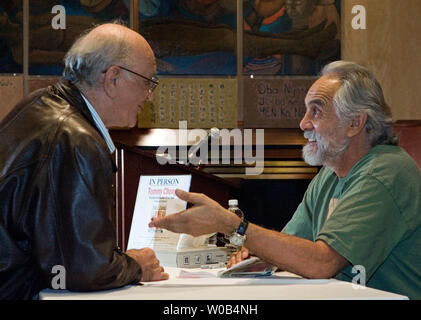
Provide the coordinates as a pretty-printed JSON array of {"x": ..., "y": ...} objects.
[{"x": 318, "y": 102}]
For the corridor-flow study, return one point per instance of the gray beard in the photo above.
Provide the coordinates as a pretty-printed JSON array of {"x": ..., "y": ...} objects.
[{"x": 325, "y": 154}]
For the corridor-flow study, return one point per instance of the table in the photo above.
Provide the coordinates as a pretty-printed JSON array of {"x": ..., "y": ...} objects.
[{"x": 203, "y": 284}]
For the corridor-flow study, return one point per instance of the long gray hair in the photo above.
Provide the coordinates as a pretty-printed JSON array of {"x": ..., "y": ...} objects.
[
  {"x": 86, "y": 60},
  {"x": 360, "y": 93}
]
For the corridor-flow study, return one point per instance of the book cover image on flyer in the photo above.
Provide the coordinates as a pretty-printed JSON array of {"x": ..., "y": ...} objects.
[{"x": 156, "y": 198}]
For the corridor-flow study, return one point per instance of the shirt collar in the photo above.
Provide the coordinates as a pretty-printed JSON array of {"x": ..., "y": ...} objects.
[{"x": 100, "y": 125}]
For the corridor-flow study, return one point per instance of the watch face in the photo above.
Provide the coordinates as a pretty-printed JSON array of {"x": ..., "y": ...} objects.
[{"x": 237, "y": 239}]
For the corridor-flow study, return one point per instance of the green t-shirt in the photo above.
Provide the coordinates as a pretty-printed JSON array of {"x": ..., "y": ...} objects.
[{"x": 372, "y": 217}]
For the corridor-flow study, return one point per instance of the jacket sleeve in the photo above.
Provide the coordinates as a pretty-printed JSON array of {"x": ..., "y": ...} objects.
[{"x": 73, "y": 226}]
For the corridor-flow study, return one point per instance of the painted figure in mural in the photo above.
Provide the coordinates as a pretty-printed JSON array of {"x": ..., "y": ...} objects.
[
  {"x": 290, "y": 17},
  {"x": 261, "y": 13},
  {"x": 299, "y": 11},
  {"x": 279, "y": 16},
  {"x": 325, "y": 10}
]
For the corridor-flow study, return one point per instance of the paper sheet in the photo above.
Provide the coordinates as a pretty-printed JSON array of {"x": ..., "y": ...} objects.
[
  {"x": 209, "y": 277},
  {"x": 156, "y": 198}
]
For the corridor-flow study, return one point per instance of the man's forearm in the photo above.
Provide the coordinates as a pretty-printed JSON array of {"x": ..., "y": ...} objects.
[{"x": 297, "y": 255}]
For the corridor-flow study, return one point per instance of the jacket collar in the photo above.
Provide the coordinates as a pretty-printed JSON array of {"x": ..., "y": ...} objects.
[{"x": 71, "y": 94}]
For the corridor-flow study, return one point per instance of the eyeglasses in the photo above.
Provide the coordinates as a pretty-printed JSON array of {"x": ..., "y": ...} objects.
[{"x": 153, "y": 82}]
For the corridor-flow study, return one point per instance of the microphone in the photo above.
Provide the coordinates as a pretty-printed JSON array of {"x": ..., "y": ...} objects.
[{"x": 191, "y": 157}]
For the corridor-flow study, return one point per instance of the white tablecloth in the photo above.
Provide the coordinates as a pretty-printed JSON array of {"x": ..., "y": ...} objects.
[{"x": 203, "y": 284}]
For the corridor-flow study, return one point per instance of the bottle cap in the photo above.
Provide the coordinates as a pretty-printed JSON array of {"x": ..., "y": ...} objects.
[{"x": 233, "y": 202}]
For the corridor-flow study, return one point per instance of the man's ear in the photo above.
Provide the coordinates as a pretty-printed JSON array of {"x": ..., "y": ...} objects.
[
  {"x": 111, "y": 79},
  {"x": 357, "y": 124}
]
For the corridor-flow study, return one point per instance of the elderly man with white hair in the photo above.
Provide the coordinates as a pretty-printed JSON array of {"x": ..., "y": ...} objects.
[
  {"x": 362, "y": 209},
  {"x": 56, "y": 169}
]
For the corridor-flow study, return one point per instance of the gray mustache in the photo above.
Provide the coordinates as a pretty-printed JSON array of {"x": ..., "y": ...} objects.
[{"x": 310, "y": 135}]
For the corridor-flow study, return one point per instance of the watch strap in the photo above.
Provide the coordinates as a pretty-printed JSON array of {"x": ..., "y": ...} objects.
[{"x": 242, "y": 228}]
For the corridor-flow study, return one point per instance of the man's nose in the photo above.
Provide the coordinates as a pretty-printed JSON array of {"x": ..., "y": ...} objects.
[{"x": 305, "y": 123}]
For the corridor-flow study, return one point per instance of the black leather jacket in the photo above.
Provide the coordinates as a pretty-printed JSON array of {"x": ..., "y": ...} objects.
[{"x": 56, "y": 198}]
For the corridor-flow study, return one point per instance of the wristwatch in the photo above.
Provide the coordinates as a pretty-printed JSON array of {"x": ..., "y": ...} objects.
[{"x": 238, "y": 237}]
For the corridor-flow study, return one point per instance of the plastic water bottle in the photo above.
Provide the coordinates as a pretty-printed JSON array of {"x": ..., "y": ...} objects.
[{"x": 233, "y": 207}]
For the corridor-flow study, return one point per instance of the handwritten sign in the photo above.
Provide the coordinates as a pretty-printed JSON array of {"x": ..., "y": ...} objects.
[
  {"x": 11, "y": 91},
  {"x": 275, "y": 103},
  {"x": 203, "y": 103}
]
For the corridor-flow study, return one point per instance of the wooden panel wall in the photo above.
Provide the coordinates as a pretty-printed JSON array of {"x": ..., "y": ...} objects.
[
  {"x": 390, "y": 47},
  {"x": 11, "y": 91}
]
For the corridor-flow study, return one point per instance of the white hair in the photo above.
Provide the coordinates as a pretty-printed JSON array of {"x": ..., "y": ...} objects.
[
  {"x": 86, "y": 60},
  {"x": 360, "y": 92}
]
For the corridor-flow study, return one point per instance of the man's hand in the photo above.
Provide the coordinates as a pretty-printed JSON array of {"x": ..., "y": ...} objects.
[
  {"x": 205, "y": 217},
  {"x": 151, "y": 270},
  {"x": 238, "y": 256}
]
